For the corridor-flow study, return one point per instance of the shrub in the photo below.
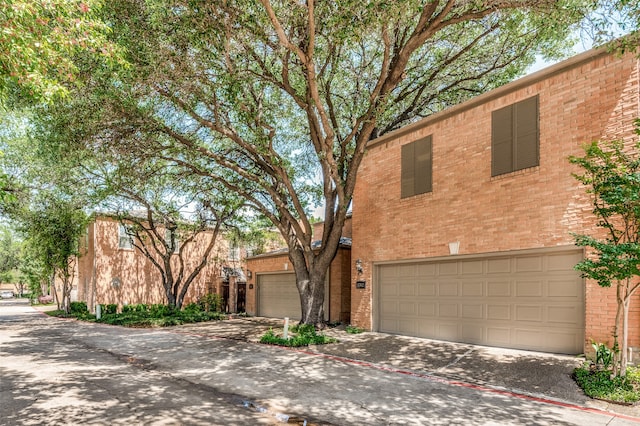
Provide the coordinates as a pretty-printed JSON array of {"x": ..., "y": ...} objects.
[
  {"x": 78, "y": 307},
  {"x": 192, "y": 307},
  {"x": 143, "y": 316},
  {"x": 600, "y": 384},
  {"x": 352, "y": 329},
  {"x": 305, "y": 335},
  {"x": 110, "y": 309},
  {"x": 159, "y": 311},
  {"x": 603, "y": 355},
  {"x": 211, "y": 302},
  {"x": 140, "y": 307}
]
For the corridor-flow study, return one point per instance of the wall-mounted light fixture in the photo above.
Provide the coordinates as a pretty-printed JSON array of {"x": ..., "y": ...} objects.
[
  {"x": 359, "y": 268},
  {"x": 454, "y": 247},
  {"x": 249, "y": 274}
]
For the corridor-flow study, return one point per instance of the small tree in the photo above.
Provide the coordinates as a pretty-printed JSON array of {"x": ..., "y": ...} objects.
[
  {"x": 9, "y": 255},
  {"x": 53, "y": 229},
  {"x": 611, "y": 174}
]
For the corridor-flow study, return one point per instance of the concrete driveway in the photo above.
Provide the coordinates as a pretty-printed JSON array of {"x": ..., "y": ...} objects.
[
  {"x": 65, "y": 372},
  {"x": 521, "y": 373}
]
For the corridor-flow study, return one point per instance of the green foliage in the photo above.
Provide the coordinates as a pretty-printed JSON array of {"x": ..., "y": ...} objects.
[
  {"x": 352, "y": 329},
  {"x": 41, "y": 39},
  {"x": 9, "y": 255},
  {"x": 192, "y": 308},
  {"x": 78, "y": 308},
  {"x": 109, "y": 309},
  {"x": 211, "y": 302},
  {"x": 159, "y": 311},
  {"x": 603, "y": 355},
  {"x": 612, "y": 176},
  {"x": 611, "y": 173},
  {"x": 141, "y": 307},
  {"x": 602, "y": 385},
  {"x": 140, "y": 315},
  {"x": 303, "y": 335}
]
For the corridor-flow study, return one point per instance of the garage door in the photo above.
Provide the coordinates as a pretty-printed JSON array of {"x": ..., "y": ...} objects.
[
  {"x": 533, "y": 301},
  {"x": 278, "y": 296}
]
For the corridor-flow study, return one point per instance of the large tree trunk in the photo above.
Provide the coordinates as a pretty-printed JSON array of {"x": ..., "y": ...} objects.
[{"x": 311, "y": 285}]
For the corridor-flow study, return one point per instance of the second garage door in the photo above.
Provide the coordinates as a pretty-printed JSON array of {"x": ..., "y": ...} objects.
[
  {"x": 528, "y": 301},
  {"x": 278, "y": 296}
]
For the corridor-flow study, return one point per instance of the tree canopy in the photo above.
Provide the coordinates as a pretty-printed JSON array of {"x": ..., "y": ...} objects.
[
  {"x": 39, "y": 41},
  {"x": 276, "y": 100}
]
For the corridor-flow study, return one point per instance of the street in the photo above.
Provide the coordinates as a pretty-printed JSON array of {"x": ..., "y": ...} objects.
[{"x": 55, "y": 371}]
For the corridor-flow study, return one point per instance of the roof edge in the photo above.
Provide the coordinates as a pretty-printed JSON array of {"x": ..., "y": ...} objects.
[{"x": 527, "y": 80}]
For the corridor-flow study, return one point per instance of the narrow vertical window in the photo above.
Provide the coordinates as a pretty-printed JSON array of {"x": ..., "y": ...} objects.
[
  {"x": 124, "y": 237},
  {"x": 515, "y": 142},
  {"x": 416, "y": 168}
]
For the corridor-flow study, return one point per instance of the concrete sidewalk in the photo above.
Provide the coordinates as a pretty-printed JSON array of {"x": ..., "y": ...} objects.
[{"x": 527, "y": 373}]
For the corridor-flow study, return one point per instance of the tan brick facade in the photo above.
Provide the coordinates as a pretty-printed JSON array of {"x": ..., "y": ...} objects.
[
  {"x": 109, "y": 274},
  {"x": 590, "y": 97}
]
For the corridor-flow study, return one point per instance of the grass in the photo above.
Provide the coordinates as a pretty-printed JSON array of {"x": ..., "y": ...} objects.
[
  {"x": 598, "y": 383},
  {"x": 301, "y": 335},
  {"x": 143, "y": 316}
]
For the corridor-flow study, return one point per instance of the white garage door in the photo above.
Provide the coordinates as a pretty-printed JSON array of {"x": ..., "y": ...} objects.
[
  {"x": 278, "y": 296},
  {"x": 532, "y": 301}
]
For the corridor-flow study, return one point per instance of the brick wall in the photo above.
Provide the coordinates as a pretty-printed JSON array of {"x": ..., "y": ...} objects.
[
  {"x": 109, "y": 274},
  {"x": 592, "y": 96}
]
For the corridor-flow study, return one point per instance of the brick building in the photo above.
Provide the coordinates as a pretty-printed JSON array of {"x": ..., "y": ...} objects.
[
  {"x": 110, "y": 270},
  {"x": 271, "y": 285},
  {"x": 462, "y": 221}
]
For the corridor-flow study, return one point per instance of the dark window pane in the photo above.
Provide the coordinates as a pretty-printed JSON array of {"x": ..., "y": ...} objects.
[
  {"x": 514, "y": 137},
  {"x": 423, "y": 165},
  {"x": 502, "y": 141},
  {"x": 526, "y": 130},
  {"x": 408, "y": 170}
]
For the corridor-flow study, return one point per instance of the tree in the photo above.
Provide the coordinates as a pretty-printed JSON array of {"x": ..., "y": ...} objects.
[
  {"x": 9, "y": 255},
  {"x": 611, "y": 173},
  {"x": 284, "y": 96},
  {"x": 33, "y": 272},
  {"x": 39, "y": 40},
  {"x": 52, "y": 227},
  {"x": 179, "y": 245}
]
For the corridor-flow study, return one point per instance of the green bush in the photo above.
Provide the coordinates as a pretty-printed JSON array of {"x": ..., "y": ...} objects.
[
  {"x": 143, "y": 316},
  {"x": 78, "y": 307},
  {"x": 110, "y": 309},
  {"x": 140, "y": 307},
  {"x": 603, "y": 355},
  {"x": 599, "y": 384},
  {"x": 352, "y": 329},
  {"x": 303, "y": 335},
  {"x": 192, "y": 307},
  {"x": 159, "y": 311},
  {"x": 211, "y": 302}
]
